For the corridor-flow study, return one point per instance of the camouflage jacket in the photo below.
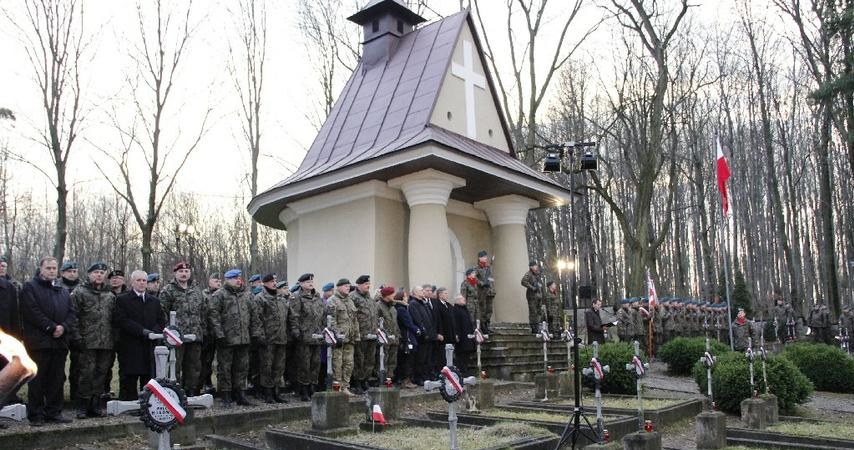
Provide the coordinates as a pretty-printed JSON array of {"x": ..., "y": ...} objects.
[
  {"x": 485, "y": 283},
  {"x": 625, "y": 324},
  {"x": 552, "y": 302},
  {"x": 740, "y": 333},
  {"x": 468, "y": 291},
  {"x": 190, "y": 306},
  {"x": 533, "y": 284},
  {"x": 783, "y": 313},
  {"x": 276, "y": 317},
  {"x": 94, "y": 310},
  {"x": 310, "y": 314},
  {"x": 819, "y": 318},
  {"x": 366, "y": 313},
  {"x": 233, "y": 317},
  {"x": 344, "y": 320},
  {"x": 637, "y": 323},
  {"x": 388, "y": 313}
]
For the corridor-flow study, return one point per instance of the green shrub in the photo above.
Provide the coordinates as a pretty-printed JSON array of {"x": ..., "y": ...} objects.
[
  {"x": 731, "y": 381},
  {"x": 681, "y": 353},
  {"x": 617, "y": 355},
  {"x": 827, "y": 366}
]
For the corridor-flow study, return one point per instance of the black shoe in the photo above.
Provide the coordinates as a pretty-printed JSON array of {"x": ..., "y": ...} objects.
[
  {"x": 57, "y": 419},
  {"x": 278, "y": 397},
  {"x": 242, "y": 400},
  {"x": 82, "y": 414},
  {"x": 95, "y": 407},
  {"x": 226, "y": 399},
  {"x": 303, "y": 393},
  {"x": 268, "y": 395}
]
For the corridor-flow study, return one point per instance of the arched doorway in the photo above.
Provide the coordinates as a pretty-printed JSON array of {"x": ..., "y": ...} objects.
[{"x": 458, "y": 264}]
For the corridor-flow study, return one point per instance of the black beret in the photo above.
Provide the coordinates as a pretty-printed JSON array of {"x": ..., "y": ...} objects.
[
  {"x": 282, "y": 284},
  {"x": 116, "y": 273},
  {"x": 533, "y": 263},
  {"x": 68, "y": 265},
  {"x": 268, "y": 277},
  {"x": 470, "y": 271},
  {"x": 97, "y": 266},
  {"x": 481, "y": 253},
  {"x": 363, "y": 279},
  {"x": 306, "y": 277},
  {"x": 342, "y": 282}
]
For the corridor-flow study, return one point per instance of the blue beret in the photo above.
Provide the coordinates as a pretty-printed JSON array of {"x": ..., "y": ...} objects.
[
  {"x": 294, "y": 288},
  {"x": 68, "y": 265},
  {"x": 153, "y": 276},
  {"x": 329, "y": 287},
  {"x": 233, "y": 273},
  {"x": 255, "y": 277}
]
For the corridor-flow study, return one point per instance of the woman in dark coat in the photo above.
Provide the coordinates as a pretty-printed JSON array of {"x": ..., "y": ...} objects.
[
  {"x": 136, "y": 315},
  {"x": 408, "y": 340},
  {"x": 466, "y": 345}
]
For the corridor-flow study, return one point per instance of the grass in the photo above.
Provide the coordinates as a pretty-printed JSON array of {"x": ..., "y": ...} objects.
[
  {"x": 631, "y": 403},
  {"x": 826, "y": 429},
  {"x": 542, "y": 416},
  {"x": 423, "y": 438}
]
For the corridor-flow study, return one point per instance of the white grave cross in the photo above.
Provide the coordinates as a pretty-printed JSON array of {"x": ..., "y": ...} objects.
[{"x": 471, "y": 78}]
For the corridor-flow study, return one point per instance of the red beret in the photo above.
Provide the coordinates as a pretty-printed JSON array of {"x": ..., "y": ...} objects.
[
  {"x": 181, "y": 265},
  {"x": 386, "y": 291}
]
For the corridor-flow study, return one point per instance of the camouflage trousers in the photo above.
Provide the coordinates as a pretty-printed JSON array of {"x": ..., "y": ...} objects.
[
  {"x": 188, "y": 365},
  {"x": 390, "y": 361},
  {"x": 208, "y": 353},
  {"x": 342, "y": 364},
  {"x": 272, "y": 362},
  {"x": 232, "y": 367},
  {"x": 534, "y": 318},
  {"x": 93, "y": 366},
  {"x": 555, "y": 320},
  {"x": 308, "y": 360},
  {"x": 74, "y": 372},
  {"x": 474, "y": 308},
  {"x": 486, "y": 308},
  {"x": 364, "y": 359}
]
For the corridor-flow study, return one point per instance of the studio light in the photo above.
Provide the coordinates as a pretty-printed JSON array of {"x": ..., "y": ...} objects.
[
  {"x": 552, "y": 162},
  {"x": 588, "y": 161}
]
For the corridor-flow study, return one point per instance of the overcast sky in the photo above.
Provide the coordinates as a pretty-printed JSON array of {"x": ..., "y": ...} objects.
[{"x": 290, "y": 91}]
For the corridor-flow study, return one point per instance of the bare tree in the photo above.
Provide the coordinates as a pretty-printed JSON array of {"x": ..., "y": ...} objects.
[
  {"x": 53, "y": 38},
  {"x": 246, "y": 67},
  {"x": 157, "y": 63}
]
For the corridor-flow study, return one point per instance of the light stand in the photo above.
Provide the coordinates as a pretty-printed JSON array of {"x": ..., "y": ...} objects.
[{"x": 553, "y": 164}]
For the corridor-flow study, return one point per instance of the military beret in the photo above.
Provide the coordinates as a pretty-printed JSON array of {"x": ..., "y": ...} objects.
[
  {"x": 268, "y": 277},
  {"x": 295, "y": 287},
  {"x": 153, "y": 276},
  {"x": 68, "y": 265},
  {"x": 306, "y": 277},
  {"x": 281, "y": 284},
  {"x": 533, "y": 263},
  {"x": 116, "y": 273},
  {"x": 97, "y": 266},
  {"x": 215, "y": 276},
  {"x": 624, "y": 301},
  {"x": 481, "y": 253},
  {"x": 341, "y": 282},
  {"x": 470, "y": 271},
  {"x": 363, "y": 279},
  {"x": 233, "y": 273},
  {"x": 327, "y": 287},
  {"x": 255, "y": 277},
  {"x": 180, "y": 265},
  {"x": 386, "y": 291}
]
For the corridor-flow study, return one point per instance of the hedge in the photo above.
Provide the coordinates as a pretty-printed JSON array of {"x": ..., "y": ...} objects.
[
  {"x": 827, "y": 366},
  {"x": 681, "y": 353},
  {"x": 616, "y": 355}
]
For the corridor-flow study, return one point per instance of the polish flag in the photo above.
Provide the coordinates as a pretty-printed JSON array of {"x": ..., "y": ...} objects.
[
  {"x": 651, "y": 292},
  {"x": 170, "y": 403},
  {"x": 723, "y": 176},
  {"x": 377, "y": 415}
]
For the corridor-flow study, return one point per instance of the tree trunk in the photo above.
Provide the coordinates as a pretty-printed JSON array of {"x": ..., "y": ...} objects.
[{"x": 828, "y": 251}]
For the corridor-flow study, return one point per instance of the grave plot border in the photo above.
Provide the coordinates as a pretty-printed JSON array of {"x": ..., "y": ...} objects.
[
  {"x": 660, "y": 417},
  {"x": 744, "y": 436},
  {"x": 229, "y": 443}
]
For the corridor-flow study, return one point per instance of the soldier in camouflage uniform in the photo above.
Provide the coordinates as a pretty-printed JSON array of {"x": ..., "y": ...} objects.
[
  {"x": 554, "y": 308},
  {"x": 783, "y": 313},
  {"x": 625, "y": 323},
  {"x": 638, "y": 330},
  {"x": 819, "y": 323},
  {"x": 533, "y": 283},
  {"x": 344, "y": 322},
  {"x": 234, "y": 325},
  {"x": 388, "y": 313},
  {"x": 311, "y": 315},
  {"x": 183, "y": 296},
  {"x": 277, "y": 322},
  {"x": 740, "y": 331},
  {"x": 93, "y": 304},
  {"x": 486, "y": 291},
  {"x": 365, "y": 358},
  {"x": 469, "y": 290},
  {"x": 208, "y": 344}
]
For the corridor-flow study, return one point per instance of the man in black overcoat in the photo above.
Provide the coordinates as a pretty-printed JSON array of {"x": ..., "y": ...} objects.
[
  {"x": 465, "y": 327},
  {"x": 446, "y": 329},
  {"x": 595, "y": 328}
]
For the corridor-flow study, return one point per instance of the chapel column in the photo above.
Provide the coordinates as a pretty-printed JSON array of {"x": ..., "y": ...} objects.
[
  {"x": 429, "y": 252},
  {"x": 507, "y": 216}
]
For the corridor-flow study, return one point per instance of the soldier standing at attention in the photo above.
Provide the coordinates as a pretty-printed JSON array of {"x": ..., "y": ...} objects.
[
  {"x": 183, "y": 296},
  {"x": 69, "y": 278},
  {"x": 310, "y": 313},
  {"x": 819, "y": 322},
  {"x": 486, "y": 291},
  {"x": 277, "y": 322},
  {"x": 208, "y": 344},
  {"x": 388, "y": 313},
  {"x": 366, "y": 311},
  {"x": 344, "y": 321},
  {"x": 740, "y": 331},
  {"x": 152, "y": 286},
  {"x": 93, "y": 304},
  {"x": 625, "y": 326},
  {"x": 554, "y": 308},
  {"x": 533, "y": 283},
  {"x": 469, "y": 290},
  {"x": 234, "y": 324}
]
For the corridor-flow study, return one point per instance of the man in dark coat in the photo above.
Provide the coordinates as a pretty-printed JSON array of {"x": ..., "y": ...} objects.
[
  {"x": 47, "y": 318},
  {"x": 465, "y": 327},
  {"x": 445, "y": 326},
  {"x": 595, "y": 328},
  {"x": 10, "y": 320},
  {"x": 137, "y": 315},
  {"x": 408, "y": 340},
  {"x": 422, "y": 317}
]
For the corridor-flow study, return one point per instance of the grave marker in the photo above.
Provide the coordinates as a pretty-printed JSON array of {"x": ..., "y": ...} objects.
[
  {"x": 639, "y": 368},
  {"x": 597, "y": 371},
  {"x": 330, "y": 339},
  {"x": 451, "y": 385}
]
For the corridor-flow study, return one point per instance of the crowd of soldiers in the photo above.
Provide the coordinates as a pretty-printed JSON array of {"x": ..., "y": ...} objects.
[{"x": 266, "y": 337}]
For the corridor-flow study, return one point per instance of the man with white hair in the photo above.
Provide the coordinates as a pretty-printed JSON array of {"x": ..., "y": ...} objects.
[
  {"x": 137, "y": 315},
  {"x": 422, "y": 317}
]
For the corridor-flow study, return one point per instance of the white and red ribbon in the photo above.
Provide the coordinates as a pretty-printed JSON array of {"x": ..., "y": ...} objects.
[
  {"x": 382, "y": 337},
  {"x": 478, "y": 336},
  {"x": 597, "y": 369},
  {"x": 446, "y": 372},
  {"x": 710, "y": 360},
  {"x": 545, "y": 335},
  {"x": 639, "y": 369},
  {"x": 171, "y": 404},
  {"x": 329, "y": 336},
  {"x": 173, "y": 336}
]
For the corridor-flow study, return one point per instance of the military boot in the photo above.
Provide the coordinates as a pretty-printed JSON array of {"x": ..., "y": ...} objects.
[
  {"x": 82, "y": 407},
  {"x": 268, "y": 395},
  {"x": 241, "y": 398},
  {"x": 95, "y": 407},
  {"x": 303, "y": 392},
  {"x": 226, "y": 399},
  {"x": 277, "y": 395},
  {"x": 486, "y": 329}
]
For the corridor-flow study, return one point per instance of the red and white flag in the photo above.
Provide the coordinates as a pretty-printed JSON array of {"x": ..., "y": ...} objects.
[
  {"x": 651, "y": 293},
  {"x": 377, "y": 415},
  {"x": 723, "y": 176},
  {"x": 170, "y": 403}
]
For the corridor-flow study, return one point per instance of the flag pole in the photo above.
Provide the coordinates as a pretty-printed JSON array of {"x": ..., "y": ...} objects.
[{"x": 725, "y": 257}]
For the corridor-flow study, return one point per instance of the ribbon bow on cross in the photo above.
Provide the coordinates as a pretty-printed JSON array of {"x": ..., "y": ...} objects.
[{"x": 598, "y": 373}]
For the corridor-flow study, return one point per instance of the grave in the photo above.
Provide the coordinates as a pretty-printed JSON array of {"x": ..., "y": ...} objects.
[
  {"x": 642, "y": 440},
  {"x": 796, "y": 434}
]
